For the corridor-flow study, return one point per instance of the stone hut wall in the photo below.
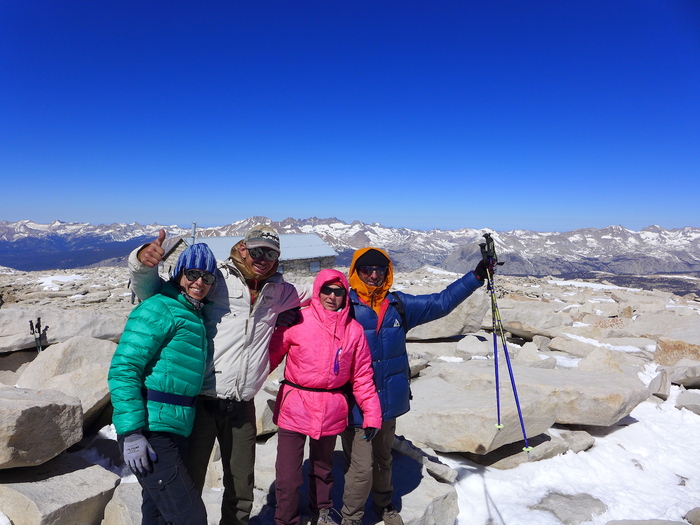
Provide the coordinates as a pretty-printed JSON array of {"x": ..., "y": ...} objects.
[{"x": 307, "y": 266}]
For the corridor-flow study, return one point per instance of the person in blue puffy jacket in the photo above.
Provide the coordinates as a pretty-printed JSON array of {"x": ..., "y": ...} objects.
[{"x": 386, "y": 317}]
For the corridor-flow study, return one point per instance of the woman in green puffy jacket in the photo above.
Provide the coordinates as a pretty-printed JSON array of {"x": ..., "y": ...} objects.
[{"x": 156, "y": 374}]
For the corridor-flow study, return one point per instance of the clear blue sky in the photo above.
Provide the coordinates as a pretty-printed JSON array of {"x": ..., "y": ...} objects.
[{"x": 542, "y": 115}]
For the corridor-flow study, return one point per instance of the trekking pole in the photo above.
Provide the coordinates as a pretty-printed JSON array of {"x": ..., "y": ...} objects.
[
  {"x": 36, "y": 332},
  {"x": 488, "y": 255}
]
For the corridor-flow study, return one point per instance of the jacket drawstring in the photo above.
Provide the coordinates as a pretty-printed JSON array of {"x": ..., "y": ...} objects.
[{"x": 336, "y": 363}]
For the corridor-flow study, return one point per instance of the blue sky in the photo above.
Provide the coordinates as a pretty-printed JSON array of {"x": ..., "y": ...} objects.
[{"x": 544, "y": 115}]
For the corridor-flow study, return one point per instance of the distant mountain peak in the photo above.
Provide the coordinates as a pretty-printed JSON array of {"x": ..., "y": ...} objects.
[{"x": 613, "y": 249}]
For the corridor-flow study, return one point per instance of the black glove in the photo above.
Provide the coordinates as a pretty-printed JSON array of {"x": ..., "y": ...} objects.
[
  {"x": 483, "y": 270},
  {"x": 138, "y": 453},
  {"x": 288, "y": 317},
  {"x": 371, "y": 433}
]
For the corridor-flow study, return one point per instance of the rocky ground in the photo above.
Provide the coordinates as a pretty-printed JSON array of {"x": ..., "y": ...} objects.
[
  {"x": 678, "y": 284},
  {"x": 578, "y": 349}
]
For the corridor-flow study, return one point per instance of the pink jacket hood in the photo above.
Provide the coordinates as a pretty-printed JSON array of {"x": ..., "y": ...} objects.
[{"x": 332, "y": 322}]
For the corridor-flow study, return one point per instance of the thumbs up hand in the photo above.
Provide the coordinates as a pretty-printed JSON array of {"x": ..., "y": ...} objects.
[{"x": 152, "y": 254}]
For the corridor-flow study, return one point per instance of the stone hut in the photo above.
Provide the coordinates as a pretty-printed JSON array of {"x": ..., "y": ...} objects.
[{"x": 302, "y": 253}]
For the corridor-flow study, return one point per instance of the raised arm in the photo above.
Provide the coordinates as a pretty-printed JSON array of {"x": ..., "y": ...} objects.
[
  {"x": 143, "y": 268},
  {"x": 424, "y": 308}
]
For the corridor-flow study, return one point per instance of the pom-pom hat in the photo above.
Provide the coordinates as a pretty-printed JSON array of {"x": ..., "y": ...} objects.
[{"x": 197, "y": 256}]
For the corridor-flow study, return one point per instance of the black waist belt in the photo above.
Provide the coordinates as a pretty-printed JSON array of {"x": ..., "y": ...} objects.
[
  {"x": 224, "y": 407},
  {"x": 171, "y": 399},
  {"x": 310, "y": 389}
]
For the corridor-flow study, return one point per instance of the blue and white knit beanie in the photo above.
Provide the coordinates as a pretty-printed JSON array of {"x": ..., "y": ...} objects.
[{"x": 197, "y": 256}]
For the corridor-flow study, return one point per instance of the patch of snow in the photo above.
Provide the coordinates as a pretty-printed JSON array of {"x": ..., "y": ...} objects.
[
  {"x": 594, "y": 286},
  {"x": 642, "y": 470},
  {"x": 594, "y": 342},
  {"x": 48, "y": 281},
  {"x": 567, "y": 362}
]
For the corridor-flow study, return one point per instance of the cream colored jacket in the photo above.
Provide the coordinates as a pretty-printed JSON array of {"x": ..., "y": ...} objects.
[{"x": 238, "y": 332}]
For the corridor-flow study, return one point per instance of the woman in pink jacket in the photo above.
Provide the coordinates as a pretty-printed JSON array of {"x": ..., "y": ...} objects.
[{"x": 325, "y": 352}]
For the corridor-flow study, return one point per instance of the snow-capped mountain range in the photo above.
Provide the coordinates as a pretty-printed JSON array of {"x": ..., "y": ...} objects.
[{"x": 26, "y": 245}]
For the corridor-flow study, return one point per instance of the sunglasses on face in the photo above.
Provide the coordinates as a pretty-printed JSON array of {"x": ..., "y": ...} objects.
[
  {"x": 258, "y": 253},
  {"x": 192, "y": 275},
  {"x": 368, "y": 270},
  {"x": 328, "y": 290}
]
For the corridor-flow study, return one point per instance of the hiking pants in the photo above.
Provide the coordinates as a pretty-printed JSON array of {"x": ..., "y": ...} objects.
[
  {"x": 288, "y": 474},
  {"x": 367, "y": 469},
  {"x": 169, "y": 496},
  {"x": 232, "y": 423}
]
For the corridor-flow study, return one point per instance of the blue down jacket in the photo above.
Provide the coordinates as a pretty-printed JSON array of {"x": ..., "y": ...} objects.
[{"x": 388, "y": 344}]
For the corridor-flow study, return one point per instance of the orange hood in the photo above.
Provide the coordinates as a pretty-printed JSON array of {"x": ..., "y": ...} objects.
[{"x": 371, "y": 295}]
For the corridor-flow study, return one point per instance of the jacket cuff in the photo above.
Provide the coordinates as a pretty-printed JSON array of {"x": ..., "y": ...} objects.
[
  {"x": 371, "y": 422},
  {"x": 131, "y": 432},
  {"x": 133, "y": 260},
  {"x": 470, "y": 279}
]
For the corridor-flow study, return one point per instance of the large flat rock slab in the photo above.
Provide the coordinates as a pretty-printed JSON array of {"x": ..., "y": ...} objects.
[
  {"x": 581, "y": 397},
  {"x": 452, "y": 417},
  {"x": 36, "y": 425},
  {"x": 57, "y": 325},
  {"x": 77, "y": 367},
  {"x": 64, "y": 490},
  {"x": 454, "y": 404}
]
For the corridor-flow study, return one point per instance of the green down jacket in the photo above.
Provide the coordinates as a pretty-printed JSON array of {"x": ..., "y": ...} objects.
[{"x": 163, "y": 348}]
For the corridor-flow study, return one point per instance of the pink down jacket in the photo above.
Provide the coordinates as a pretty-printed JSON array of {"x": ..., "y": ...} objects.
[{"x": 325, "y": 351}]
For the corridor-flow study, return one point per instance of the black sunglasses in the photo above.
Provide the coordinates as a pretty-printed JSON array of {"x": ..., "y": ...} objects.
[
  {"x": 338, "y": 292},
  {"x": 257, "y": 253},
  {"x": 367, "y": 270},
  {"x": 192, "y": 275}
]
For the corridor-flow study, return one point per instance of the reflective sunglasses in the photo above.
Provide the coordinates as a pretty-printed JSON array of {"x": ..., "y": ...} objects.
[
  {"x": 258, "y": 253},
  {"x": 338, "y": 292},
  {"x": 192, "y": 275},
  {"x": 368, "y": 270}
]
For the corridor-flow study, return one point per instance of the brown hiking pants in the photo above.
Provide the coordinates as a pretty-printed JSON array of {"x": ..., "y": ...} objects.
[{"x": 367, "y": 469}]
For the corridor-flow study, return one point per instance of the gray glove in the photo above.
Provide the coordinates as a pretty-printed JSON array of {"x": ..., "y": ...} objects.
[{"x": 138, "y": 454}]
